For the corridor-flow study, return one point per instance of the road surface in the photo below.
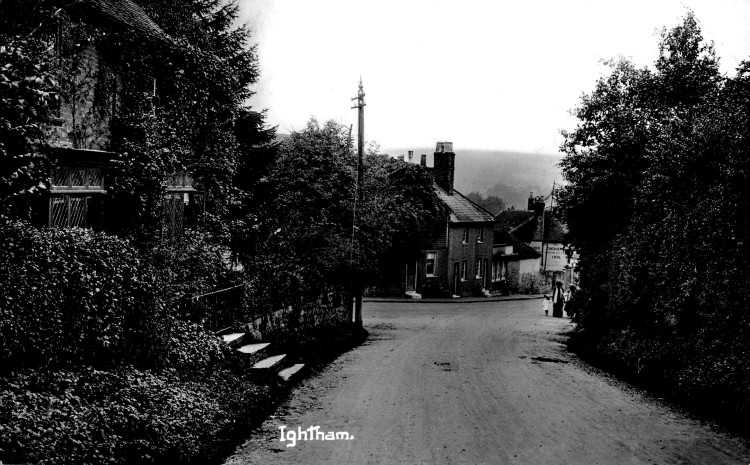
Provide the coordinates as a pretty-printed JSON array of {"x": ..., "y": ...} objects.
[{"x": 479, "y": 383}]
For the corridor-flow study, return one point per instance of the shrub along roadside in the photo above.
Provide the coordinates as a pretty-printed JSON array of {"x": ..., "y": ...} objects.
[
  {"x": 702, "y": 374},
  {"x": 96, "y": 368},
  {"x": 128, "y": 416},
  {"x": 76, "y": 297},
  {"x": 124, "y": 416}
]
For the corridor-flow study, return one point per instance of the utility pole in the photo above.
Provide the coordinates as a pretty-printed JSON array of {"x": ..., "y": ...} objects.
[
  {"x": 551, "y": 206},
  {"x": 360, "y": 106}
]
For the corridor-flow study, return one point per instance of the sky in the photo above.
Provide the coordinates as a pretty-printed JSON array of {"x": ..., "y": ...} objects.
[{"x": 490, "y": 75}]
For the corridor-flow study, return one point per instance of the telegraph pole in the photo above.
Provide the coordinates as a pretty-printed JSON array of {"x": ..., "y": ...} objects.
[
  {"x": 551, "y": 206},
  {"x": 360, "y": 106}
]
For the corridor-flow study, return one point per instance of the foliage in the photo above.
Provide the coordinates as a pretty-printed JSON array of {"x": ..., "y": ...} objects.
[
  {"x": 172, "y": 105},
  {"x": 400, "y": 212},
  {"x": 202, "y": 85},
  {"x": 193, "y": 265},
  {"x": 28, "y": 93},
  {"x": 78, "y": 297},
  {"x": 309, "y": 193},
  {"x": 657, "y": 206},
  {"x": 74, "y": 296},
  {"x": 126, "y": 416},
  {"x": 307, "y": 220},
  {"x": 491, "y": 203}
]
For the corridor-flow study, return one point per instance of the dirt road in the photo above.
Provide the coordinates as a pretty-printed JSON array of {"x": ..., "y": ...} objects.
[{"x": 482, "y": 383}]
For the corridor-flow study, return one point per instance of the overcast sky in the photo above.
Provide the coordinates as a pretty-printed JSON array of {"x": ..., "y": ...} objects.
[{"x": 491, "y": 74}]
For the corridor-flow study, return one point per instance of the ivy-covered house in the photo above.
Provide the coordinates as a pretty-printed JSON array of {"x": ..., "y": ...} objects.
[{"x": 79, "y": 135}]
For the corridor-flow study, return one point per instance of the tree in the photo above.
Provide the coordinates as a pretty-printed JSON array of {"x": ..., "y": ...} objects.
[
  {"x": 307, "y": 218},
  {"x": 491, "y": 203},
  {"x": 623, "y": 160},
  {"x": 657, "y": 206}
]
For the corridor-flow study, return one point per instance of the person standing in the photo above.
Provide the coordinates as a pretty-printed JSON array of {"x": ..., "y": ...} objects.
[
  {"x": 570, "y": 302},
  {"x": 558, "y": 299}
]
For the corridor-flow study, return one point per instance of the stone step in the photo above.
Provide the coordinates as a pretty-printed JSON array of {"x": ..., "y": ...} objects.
[
  {"x": 269, "y": 363},
  {"x": 231, "y": 337},
  {"x": 287, "y": 373},
  {"x": 414, "y": 295},
  {"x": 253, "y": 348}
]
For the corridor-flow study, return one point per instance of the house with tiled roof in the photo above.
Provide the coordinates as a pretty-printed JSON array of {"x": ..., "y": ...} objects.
[
  {"x": 122, "y": 15},
  {"x": 455, "y": 261},
  {"x": 539, "y": 229}
]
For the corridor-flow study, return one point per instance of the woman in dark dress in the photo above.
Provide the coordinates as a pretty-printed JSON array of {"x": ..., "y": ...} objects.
[
  {"x": 558, "y": 300},
  {"x": 570, "y": 303}
]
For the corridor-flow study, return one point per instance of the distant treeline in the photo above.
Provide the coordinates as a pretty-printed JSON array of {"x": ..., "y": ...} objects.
[{"x": 491, "y": 203}]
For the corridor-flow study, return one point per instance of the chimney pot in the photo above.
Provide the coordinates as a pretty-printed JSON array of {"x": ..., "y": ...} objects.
[
  {"x": 444, "y": 147},
  {"x": 411, "y": 155}
]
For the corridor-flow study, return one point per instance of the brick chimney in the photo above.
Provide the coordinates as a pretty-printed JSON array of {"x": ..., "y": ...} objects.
[
  {"x": 444, "y": 165},
  {"x": 423, "y": 160},
  {"x": 537, "y": 204},
  {"x": 531, "y": 202}
]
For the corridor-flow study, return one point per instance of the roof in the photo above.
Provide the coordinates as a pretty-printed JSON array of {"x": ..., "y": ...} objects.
[
  {"x": 509, "y": 219},
  {"x": 463, "y": 210},
  {"x": 127, "y": 14},
  {"x": 521, "y": 251},
  {"x": 527, "y": 226}
]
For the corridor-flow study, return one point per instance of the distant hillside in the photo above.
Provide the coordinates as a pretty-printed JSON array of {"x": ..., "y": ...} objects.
[{"x": 508, "y": 175}]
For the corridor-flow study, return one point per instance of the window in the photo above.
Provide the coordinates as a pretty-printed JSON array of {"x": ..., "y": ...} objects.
[
  {"x": 463, "y": 270},
  {"x": 498, "y": 271},
  {"x": 430, "y": 267},
  {"x": 76, "y": 196},
  {"x": 480, "y": 267},
  {"x": 69, "y": 211},
  {"x": 181, "y": 202},
  {"x": 465, "y": 239},
  {"x": 68, "y": 178},
  {"x": 480, "y": 236}
]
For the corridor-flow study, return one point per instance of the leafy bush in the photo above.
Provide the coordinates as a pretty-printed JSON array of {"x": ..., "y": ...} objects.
[
  {"x": 193, "y": 265},
  {"x": 122, "y": 417},
  {"x": 191, "y": 349},
  {"x": 74, "y": 296}
]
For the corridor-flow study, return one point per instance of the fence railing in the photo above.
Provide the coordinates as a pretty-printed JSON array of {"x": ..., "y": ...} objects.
[
  {"x": 223, "y": 308},
  {"x": 218, "y": 309}
]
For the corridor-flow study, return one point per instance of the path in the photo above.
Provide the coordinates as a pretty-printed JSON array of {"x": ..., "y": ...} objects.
[{"x": 479, "y": 383}]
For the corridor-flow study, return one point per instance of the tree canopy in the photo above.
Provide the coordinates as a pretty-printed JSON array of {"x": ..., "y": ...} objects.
[
  {"x": 306, "y": 215},
  {"x": 657, "y": 205}
]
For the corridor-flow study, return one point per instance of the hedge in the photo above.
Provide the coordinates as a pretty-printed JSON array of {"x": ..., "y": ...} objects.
[
  {"x": 125, "y": 416},
  {"x": 75, "y": 296}
]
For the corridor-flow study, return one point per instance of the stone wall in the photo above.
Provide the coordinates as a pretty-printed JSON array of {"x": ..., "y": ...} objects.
[{"x": 327, "y": 310}]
